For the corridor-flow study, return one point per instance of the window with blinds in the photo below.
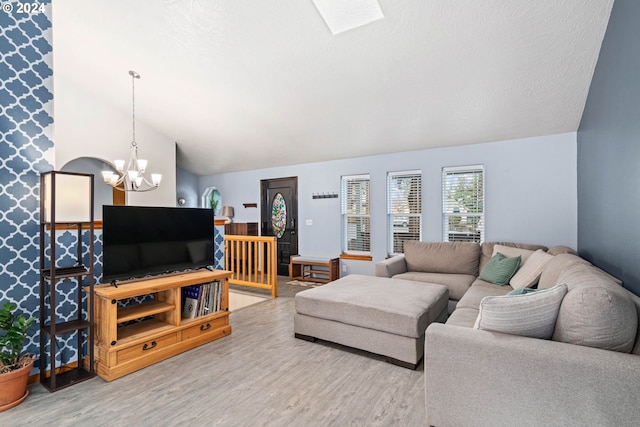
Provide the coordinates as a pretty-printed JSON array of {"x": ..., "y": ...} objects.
[
  {"x": 463, "y": 204},
  {"x": 356, "y": 219},
  {"x": 404, "y": 209}
]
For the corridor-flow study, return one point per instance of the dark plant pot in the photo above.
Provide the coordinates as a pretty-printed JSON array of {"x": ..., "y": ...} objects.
[{"x": 13, "y": 386}]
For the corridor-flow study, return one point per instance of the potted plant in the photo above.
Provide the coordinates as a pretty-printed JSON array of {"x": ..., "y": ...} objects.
[{"x": 14, "y": 366}]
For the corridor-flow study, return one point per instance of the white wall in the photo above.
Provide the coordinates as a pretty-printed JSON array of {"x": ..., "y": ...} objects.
[
  {"x": 87, "y": 127},
  {"x": 530, "y": 192}
]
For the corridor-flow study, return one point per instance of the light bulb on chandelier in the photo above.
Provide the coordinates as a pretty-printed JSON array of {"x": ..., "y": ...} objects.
[{"x": 133, "y": 177}]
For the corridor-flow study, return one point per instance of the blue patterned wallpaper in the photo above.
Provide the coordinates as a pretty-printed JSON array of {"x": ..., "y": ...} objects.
[
  {"x": 218, "y": 244},
  {"x": 26, "y": 128}
]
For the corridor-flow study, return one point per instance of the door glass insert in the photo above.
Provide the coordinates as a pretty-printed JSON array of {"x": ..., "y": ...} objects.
[{"x": 279, "y": 215}]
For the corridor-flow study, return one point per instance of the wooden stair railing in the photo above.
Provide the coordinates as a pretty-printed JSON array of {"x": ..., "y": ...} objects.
[{"x": 252, "y": 259}]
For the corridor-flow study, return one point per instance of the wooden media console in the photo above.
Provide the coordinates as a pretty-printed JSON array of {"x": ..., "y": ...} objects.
[{"x": 131, "y": 336}]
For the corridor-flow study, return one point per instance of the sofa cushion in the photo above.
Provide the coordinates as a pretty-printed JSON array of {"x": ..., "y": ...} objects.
[
  {"x": 529, "y": 273},
  {"x": 636, "y": 301},
  {"x": 478, "y": 290},
  {"x": 486, "y": 250},
  {"x": 500, "y": 269},
  {"x": 582, "y": 274},
  {"x": 531, "y": 315},
  {"x": 458, "y": 284},
  {"x": 391, "y": 266},
  {"x": 608, "y": 276},
  {"x": 597, "y": 316},
  {"x": 598, "y": 312},
  {"x": 463, "y": 317},
  {"x": 557, "y": 250},
  {"x": 551, "y": 272},
  {"x": 510, "y": 252},
  {"x": 442, "y": 257}
]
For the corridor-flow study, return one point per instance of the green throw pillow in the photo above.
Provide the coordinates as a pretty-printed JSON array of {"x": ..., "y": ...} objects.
[
  {"x": 500, "y": 269},
  {"x": 521, "y": 291}
]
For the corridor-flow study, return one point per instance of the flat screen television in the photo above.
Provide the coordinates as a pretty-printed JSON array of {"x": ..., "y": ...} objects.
[{"x": 141, "y": 241}]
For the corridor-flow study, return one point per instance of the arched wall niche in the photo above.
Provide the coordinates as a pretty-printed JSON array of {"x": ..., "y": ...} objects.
[{"x": 103, "y": 193}]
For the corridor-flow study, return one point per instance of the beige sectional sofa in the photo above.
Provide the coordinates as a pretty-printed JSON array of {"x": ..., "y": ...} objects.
[
  {"x": 455, "y": 265},
  {"x": 482, "y": 367}
]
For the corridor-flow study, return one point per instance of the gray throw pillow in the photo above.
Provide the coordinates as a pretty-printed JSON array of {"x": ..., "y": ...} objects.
[{"x": 531, "y": 315}]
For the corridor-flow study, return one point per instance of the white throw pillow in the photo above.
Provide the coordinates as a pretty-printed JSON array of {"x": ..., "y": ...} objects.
[
  {"x": 510, "y": 252},
  {"x": 530, "y": 272},
  {"x": 530, "y": 315}
]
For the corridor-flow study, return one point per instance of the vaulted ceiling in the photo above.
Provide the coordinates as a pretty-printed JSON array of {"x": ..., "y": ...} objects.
[{"x": 266, "y": 83}]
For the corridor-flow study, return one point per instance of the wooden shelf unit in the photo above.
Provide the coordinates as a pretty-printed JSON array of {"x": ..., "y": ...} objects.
[
  {"x": 311, "y": 269},
  {"x": 129, "y": 338}
]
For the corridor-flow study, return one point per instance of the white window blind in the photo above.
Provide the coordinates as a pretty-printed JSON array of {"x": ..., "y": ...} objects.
[
  {"x": 404, "y": 209},
  {"x": 463, "y": 204},
  {"x": 356, "y": 219}
]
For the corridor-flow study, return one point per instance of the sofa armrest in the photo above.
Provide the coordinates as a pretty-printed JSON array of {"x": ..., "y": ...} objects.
[
  {"x": 476, "y": 377},
  {"x": 391, "y": 266}
]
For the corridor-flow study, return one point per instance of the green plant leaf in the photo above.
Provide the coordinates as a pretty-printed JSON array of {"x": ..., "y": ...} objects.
[{"x": 14, "y": 329}]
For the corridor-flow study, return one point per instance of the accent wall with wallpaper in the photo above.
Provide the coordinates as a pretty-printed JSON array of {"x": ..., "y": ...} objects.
[{"x": 26, "y": 150}]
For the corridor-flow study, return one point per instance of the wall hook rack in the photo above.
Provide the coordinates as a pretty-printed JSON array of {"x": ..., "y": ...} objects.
[{"x": 325, "y": 195}]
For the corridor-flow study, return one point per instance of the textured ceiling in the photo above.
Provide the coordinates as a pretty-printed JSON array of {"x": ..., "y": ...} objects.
[{"x": 265, "y": 83}]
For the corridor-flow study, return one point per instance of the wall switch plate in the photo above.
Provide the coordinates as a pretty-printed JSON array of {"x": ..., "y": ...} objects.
[{"x": 309, "y": 222}]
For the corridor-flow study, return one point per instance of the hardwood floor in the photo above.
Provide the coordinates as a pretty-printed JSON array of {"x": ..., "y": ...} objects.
[{"x": 259, "y": 376}]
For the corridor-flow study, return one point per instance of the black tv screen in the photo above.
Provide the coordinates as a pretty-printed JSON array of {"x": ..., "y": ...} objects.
[{"x": 140, "y": 241}]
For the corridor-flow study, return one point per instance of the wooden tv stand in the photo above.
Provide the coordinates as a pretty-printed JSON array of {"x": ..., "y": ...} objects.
[{"x": 132, "y": 337}]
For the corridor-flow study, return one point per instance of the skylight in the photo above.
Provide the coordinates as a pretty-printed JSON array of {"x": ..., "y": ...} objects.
[{"x": 345, "y": 15}]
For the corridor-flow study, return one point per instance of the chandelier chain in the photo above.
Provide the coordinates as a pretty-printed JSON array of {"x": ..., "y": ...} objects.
[
  {"x": 133, "y": 106},
  {"x": 133, "y": 176}
]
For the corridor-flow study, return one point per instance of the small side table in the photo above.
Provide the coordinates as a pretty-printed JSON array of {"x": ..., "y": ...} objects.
[{"x": 313, "y": 269}]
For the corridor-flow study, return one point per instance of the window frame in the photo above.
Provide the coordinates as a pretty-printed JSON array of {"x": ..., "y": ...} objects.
[
  {"x": 448, "y": 216},
  {"x": 414, "y": 216},
  {"x": 363, "y": 217}
]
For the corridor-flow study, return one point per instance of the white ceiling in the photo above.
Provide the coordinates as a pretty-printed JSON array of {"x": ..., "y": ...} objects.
[{"x": 246, "y": 84}]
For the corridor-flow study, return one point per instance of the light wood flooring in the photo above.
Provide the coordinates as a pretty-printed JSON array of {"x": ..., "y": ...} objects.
[{"x": 260, "y": 375}]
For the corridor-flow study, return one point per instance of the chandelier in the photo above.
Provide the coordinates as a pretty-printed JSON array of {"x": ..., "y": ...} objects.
[{"x": 133, "y": 177}]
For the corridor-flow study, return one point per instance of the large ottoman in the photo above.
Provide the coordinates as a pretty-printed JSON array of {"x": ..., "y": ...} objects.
[{"x": 375, "y": 314}]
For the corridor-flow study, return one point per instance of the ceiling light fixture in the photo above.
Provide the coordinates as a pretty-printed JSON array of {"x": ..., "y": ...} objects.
[{"x": 132, "y": 178}]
